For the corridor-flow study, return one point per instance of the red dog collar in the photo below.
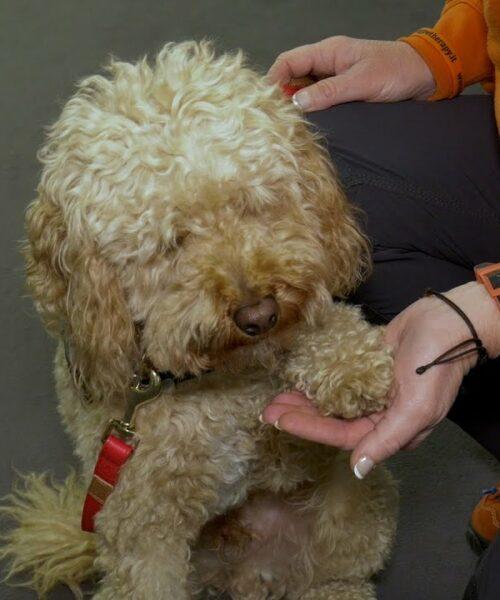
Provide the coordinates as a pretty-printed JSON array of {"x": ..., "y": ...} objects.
[{"x": 114, "y": 454}]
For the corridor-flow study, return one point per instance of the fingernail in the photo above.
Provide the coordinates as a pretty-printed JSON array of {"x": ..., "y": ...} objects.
[
  {"x": 363, "y": 467},
  {"x": 301, "y": 100},
  {"x": 261, "y": 418},
  {"x": 277, "y": 425}
]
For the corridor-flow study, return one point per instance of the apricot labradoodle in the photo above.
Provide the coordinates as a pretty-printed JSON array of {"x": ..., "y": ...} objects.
[{"x": 189, "y": 222}]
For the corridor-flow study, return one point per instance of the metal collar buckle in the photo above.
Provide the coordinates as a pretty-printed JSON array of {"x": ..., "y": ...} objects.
[{"x": 144, "y": 388}]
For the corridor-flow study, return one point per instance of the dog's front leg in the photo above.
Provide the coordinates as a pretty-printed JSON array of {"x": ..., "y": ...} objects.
[
  {"x": 152, "y": 569},
  {"x": 148, "y": 524},
  {"x": 342, "y": 364}
]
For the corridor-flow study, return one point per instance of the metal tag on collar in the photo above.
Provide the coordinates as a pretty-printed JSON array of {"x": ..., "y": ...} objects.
[{"x": 144, "y": 388}]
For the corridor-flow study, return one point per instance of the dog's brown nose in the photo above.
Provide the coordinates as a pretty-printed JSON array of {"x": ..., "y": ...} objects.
[{"x": 255, "y": 319}]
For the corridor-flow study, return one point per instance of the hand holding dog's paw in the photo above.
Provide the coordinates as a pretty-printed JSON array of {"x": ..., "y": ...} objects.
[{"x": 417, "y": 403}]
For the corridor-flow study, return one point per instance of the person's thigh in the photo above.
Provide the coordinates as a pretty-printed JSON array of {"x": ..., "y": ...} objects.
[{"x": 426, "y": 177}]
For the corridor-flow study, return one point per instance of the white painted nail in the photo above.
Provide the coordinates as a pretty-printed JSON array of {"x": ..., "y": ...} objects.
[
  {"x": 277, "y": 425},
  {"x": 301, "y": 100},
  {"x": 364, "y": 465},
  {"x": 261, "y": 418}
]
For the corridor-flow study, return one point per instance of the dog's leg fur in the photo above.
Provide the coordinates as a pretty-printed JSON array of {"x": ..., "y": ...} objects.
[
  {"x": 354, "y": 524},
  {"x": 146, "y": 557},
  {"x": 145, "y": 530},
  {"x": 341, "y": 590}
]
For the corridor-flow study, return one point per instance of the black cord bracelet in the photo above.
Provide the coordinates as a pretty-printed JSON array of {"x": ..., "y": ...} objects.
[{"x": 448, "y": 356}]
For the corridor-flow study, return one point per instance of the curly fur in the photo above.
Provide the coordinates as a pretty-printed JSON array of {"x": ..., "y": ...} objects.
[{"x": 171, "y": 195}]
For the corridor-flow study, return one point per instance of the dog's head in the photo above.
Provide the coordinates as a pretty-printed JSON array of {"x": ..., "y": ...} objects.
[{"x": 185, "y": 212}]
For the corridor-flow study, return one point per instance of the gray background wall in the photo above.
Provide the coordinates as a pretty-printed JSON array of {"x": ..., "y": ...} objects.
[{"x": 44, "y": 48}]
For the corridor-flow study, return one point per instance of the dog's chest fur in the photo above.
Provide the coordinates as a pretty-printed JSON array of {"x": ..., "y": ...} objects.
[
  {"x": 214, "y": 422},
  {"x": 211, "y": 422}
]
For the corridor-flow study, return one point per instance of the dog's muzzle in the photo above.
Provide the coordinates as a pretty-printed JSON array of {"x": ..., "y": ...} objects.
[{"x": 257, "y": 318}]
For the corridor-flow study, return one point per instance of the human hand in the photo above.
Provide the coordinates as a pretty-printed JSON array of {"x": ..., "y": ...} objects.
[
  {"x": 417, "y": 403},
  {"x": 351, "y": 69}
]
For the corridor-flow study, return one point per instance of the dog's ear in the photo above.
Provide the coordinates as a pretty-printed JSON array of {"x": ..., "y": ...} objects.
[
  {"x": 79, "y": 297},
  {"x": 348, "y": 250}
]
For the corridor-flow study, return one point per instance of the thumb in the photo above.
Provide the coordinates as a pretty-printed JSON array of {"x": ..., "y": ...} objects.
[
  {"x": 327, "y": 92},
  {"x": 392, "y": 433}
]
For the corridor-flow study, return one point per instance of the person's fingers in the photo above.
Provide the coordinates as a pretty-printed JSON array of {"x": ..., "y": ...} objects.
[
  {"x": 291, "y": 64},
  {"x": 318, "y": 59},
  {"x": 393, "y": 432},
  {"x": 273, "y": 412},
  {"x": 325, "y": 430},
  {"x": 347, "y": 87}
]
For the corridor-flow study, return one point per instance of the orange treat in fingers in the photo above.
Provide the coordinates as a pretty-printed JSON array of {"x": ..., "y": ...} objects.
[{"x": 296, "y": 84}]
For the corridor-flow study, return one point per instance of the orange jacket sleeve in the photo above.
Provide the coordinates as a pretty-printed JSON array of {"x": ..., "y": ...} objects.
[{"x": 455, "y": 48}]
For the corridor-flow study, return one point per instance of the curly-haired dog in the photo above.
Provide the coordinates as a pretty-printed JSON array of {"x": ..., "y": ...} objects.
[{"x": 188, "y": 217}]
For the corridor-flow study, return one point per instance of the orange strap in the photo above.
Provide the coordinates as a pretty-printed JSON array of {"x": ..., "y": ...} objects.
[{"x": 489, "y": 275}]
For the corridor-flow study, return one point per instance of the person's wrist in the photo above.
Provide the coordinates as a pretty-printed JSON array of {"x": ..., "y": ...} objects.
[
  {"x": 424, "y": 84},
  {"x": 447, "y": 328},
  {"x": 481, "y": 309}
]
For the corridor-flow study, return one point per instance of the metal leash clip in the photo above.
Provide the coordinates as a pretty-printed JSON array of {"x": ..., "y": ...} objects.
[{"x": 144, "y": 388}]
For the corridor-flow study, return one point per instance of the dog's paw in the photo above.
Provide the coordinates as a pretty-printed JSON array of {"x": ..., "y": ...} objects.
[{"x": 359, "y": 388}]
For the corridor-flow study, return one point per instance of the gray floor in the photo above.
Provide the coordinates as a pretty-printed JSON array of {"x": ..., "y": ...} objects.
[{"x": 45, "y": 47}]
